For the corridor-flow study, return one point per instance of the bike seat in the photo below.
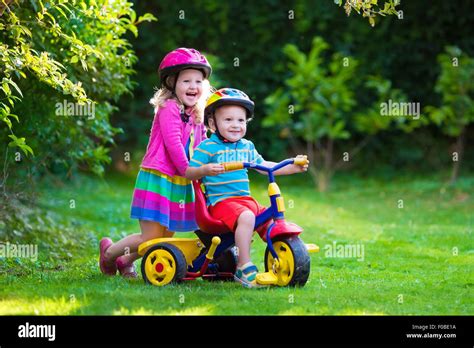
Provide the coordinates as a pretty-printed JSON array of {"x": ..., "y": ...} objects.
[{"x": 204, "y": 220}]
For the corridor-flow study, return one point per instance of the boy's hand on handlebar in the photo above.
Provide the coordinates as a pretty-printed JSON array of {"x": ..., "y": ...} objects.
[
  {"x": 299, "y": 169},
  {"x": 301, "y": 160},
  {"x": 301, "y": 164},
  {"x": 213, "y": 169}
]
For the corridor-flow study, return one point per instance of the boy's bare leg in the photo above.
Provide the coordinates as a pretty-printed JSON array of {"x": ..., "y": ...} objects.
[{"x": 243, "y": 236}]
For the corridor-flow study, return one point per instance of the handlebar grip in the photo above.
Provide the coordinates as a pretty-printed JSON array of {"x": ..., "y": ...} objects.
[
  {"x": 301, "y": 160},
  {"x": 228, "y": 166}
]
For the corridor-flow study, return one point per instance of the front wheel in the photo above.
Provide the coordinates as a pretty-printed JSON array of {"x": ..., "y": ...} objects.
[{"x": 293, "y": 266}]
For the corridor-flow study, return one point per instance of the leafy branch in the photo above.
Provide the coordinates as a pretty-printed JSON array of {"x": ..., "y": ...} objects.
[
  {"x": 27, "y": 28},
  {"x": 369, "y": 8}
]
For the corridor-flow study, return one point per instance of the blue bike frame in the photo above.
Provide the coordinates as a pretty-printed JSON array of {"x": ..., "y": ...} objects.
[{"x": 271, "y": 212}]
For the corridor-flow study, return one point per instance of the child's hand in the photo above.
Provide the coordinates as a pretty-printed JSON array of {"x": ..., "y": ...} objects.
[
  {"x": 298, "y": 169},
  {"x": 212, "y": 169},
  {"x": 302, "y": 165}
]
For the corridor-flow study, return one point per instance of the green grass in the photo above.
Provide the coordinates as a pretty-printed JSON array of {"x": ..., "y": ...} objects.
[{"x": 418, "y": 260}]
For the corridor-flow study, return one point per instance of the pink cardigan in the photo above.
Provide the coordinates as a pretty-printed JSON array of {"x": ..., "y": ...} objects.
[{"x": 169, "y": 134}]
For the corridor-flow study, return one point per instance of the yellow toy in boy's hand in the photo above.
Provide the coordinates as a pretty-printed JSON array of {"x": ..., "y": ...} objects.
[{"x": 301, "y": 160}]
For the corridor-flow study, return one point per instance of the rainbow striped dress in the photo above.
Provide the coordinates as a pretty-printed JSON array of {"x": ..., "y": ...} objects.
[{"x": 168, "y": 200}]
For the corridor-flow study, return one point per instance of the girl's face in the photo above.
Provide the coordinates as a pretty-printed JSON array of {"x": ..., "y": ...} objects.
[
  {"x": 232, "y": 122},
  {"x": 189, "y": 86}
]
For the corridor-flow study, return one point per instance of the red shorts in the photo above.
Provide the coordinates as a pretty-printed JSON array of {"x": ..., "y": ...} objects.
[{"x": 229, "y": 210}]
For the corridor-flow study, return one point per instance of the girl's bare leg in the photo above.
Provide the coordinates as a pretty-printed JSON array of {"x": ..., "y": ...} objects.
[
  {"x": 128, "y": 246},
  {"x": 132, "y": 257}
]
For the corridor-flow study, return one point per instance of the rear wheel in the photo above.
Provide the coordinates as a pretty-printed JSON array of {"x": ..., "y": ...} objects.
[
  {"x": 163, "y": 264},
  {"x": 293, "y": 266},
  {"x": 226, "y": 263}
]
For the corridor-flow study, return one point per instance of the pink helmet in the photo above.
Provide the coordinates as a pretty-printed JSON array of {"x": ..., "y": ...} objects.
[{"x": 180, "y": 59}]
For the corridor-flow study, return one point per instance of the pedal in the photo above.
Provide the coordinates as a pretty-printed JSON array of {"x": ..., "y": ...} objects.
[
  {"x": 267, "y": 278},
  {"x": 312, "y": 248}
]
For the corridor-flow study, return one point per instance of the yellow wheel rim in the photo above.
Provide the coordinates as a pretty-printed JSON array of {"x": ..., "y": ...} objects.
[
  {"x": 284, "y": 268},
  {"x": 160, "y": 267}
]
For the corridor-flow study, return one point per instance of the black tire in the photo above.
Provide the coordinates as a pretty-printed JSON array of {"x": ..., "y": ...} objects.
[
  {"x": 227, "y": 261},
  {"x": 180, "y": 264},
  {"x": 301, "y": 259}
]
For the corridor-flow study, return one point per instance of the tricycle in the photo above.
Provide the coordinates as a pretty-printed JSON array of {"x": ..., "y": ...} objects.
[{"x": 213, "y": 256}]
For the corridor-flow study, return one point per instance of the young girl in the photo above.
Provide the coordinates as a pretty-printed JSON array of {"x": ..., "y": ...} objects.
[{"x": 163, "y": 200}]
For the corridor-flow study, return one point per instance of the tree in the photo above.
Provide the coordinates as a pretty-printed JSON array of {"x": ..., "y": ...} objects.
[
  {"x": 318, "y": 105},
  {"x": 61, "y": 53},
  {"x": 456, "y": 86},
  {"x": 59, "y": 59}
]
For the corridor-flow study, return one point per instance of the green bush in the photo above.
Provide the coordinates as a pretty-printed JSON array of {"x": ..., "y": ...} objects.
[
  {"x": 63, "y": 65},
  {"x": 317, "y": 106},
  {"x": 456, "y": 86},
  {"x": 64, "y": 53}
]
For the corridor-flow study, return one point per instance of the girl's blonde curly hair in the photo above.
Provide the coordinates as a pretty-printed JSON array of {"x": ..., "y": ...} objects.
[{"x": 163, "y": 94}]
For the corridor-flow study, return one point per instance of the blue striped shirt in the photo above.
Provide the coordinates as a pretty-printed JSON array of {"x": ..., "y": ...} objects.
[{"x": 230, "y": 184}]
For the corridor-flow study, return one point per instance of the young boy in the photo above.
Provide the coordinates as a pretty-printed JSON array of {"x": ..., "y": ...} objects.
[{"x": 228, "y": 194}]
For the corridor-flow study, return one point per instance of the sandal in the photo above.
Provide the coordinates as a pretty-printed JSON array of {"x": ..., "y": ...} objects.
[
  {"x": 126, "y": 270},
  {"x": 246, "y": 275},
  {"x": 105, "y": 267}
]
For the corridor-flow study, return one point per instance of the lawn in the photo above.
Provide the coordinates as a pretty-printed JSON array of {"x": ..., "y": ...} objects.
[{"x": 415, "y": 234}]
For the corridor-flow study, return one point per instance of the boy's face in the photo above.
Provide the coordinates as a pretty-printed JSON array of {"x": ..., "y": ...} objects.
[
  {"x": 231, "y": 121},
  {"x": 189, "y": 86}
]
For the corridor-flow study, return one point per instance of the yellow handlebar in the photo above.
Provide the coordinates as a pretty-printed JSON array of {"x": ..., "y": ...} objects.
[
  {"x": 233, "y": 166},
  {"x": 301, "y": 160}
]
